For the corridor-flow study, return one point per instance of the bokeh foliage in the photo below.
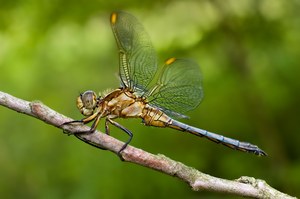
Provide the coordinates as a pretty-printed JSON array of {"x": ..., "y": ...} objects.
[{"x": 249, "y": 56}]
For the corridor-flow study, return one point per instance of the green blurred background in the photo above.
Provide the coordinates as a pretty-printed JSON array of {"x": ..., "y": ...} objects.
[{"x": 52, "y": 50}]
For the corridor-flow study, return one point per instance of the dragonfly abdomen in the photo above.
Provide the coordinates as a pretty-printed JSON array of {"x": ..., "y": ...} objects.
[
  {"x": 155, "y": 117},
  {"x": 229, "y": 142}
]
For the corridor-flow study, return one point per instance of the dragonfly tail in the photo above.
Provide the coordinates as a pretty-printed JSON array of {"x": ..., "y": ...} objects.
[{"x": 229, "y": 142}]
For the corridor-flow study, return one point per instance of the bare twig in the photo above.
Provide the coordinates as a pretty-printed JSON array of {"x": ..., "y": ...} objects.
[{"x": 244, "y": 186}]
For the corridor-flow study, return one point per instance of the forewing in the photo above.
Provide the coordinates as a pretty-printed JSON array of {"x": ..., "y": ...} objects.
[
  {"x": 179, "y": 88},
  {"x": 138, "y": 61}
]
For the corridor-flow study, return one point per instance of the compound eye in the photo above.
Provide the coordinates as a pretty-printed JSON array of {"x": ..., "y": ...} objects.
[
  {"x": 87, "y": 102},
  {"x": 89, "y": 99}
]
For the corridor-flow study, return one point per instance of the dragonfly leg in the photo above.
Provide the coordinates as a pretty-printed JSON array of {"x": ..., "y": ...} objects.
[
  {"x": 96, "y": 117},
  {"x": 107, "y": 130},
  {"x": 95, "y": 123},
  {"x": 92, "y": 129},
  {"x": 88, "y": 142},
  {"x": 84, "y": 120},
  {"x": 125, "y": 130}
]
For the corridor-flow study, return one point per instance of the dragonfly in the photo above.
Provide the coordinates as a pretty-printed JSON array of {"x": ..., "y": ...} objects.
[{"x": 156, "y": 95}]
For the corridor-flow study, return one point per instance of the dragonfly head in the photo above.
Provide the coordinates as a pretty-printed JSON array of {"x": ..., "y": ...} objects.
[{"x": 87, "y": 102}]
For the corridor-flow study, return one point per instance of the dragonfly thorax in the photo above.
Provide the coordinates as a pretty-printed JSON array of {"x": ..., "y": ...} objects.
[{"x": 123, "y": 103}]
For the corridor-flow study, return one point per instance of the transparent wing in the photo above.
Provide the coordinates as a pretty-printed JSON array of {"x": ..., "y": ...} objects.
[
  {"x": 179, "y": 87},
  {"x": 138, "y": 61}
]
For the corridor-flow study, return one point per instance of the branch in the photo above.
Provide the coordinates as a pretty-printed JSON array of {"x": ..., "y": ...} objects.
[{"x": 244, "y": 186}]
